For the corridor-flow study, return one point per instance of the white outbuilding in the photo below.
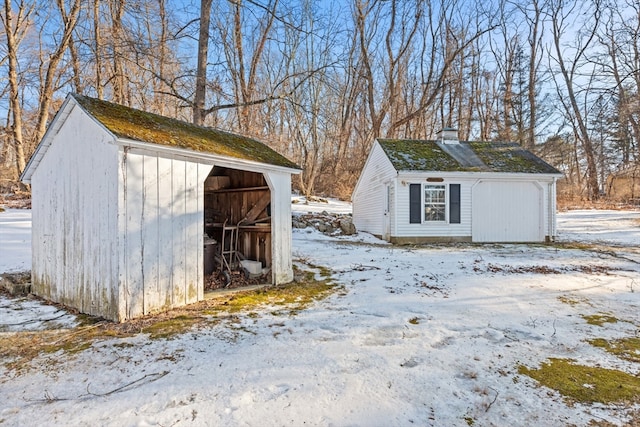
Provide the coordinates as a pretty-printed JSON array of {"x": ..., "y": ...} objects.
[
  {"x": 124, "y": 201},
  {"x": 446, "y": 190}
]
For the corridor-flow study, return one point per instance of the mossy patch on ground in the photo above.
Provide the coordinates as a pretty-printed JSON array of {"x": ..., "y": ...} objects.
[
  {"x": 572, "y": 300},
  {"x": 624, "y": 348},
  {"x": 599, "y": 319},
  {"x": 294, "y": 297},
  {"x": 581, "y": 246},
  {"x": 171, "y": 327},
  {"x": 19, "y": 348},
  {"x": 586, "y": 384}
]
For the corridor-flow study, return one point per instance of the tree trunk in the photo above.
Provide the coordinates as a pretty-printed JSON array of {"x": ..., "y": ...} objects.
[
  {"x": 201, "y": 72},
  {"x": 534, "y": 44},
  {"x": 98, "y": 49},
  {"x": 13, "y": 42},
  {"x": 593, "y": 189},
  {"x": 48, "y": 86},
  {"x": 117, "y": 79}
]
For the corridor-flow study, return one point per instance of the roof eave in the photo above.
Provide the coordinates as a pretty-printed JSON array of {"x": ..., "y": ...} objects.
[
  {"x": 57, "y": 122},
  {"x": 225, "y": 161},
  {"x": 480, "y": 174}
]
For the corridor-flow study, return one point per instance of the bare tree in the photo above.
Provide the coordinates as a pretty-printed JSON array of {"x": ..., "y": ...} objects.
[
  {"x": 321, "y": 84},
  {"x": 310, "y": 112},
  {"x": 201, "y": 72},
  {"x": 98, "y": 46},
  {"x": 384, "y": 73},
  {"x": 506, "y": 55},
  {"x": 15, "y": 26},
  {"x": 48, "y": 86},
  {"x": 452, "y": 30},
  {"x": 620, "y": 60},
  {"x": 519, "y": 54},
  {"x": 568, "y": 59},
  {"x": 244, "y": 54},
  {"x": 532, "y": 10}
]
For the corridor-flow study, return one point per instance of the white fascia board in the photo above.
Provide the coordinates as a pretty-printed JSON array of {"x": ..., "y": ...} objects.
[
  {"x": 366, "y": 163},
  {"x": 47, "y": 139},
  {"x": 214, "y": 159},
  {"x": 375, "y": 146},
  {"x": 479, "y": 175}
]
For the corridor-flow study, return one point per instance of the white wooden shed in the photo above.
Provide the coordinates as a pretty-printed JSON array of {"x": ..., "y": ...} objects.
[
  {"x": 122, "y": 199},
  {"x": 413, "y": 191}
]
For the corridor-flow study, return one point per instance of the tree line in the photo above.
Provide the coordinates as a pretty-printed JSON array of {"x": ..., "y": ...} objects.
[{"x": 320, "y": 81}]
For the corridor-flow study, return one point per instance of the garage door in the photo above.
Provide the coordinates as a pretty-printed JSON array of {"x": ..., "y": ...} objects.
[{"x": 507, "y": 212}]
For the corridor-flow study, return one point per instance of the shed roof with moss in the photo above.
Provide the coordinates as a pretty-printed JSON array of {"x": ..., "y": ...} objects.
[
  {"x": 463, "y": 156},
  {"x": 130, "y": 123}
]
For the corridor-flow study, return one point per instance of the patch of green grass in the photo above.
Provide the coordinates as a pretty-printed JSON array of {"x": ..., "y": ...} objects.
[
  {"x": 294, "y": 296},
  {"x": 309, "y": 286},
  {"x": 70, "y": 346},
  {"x": 599, "y": 319},
  {"x": 123, "y": 345},
  {"x": 414, "y": 320},
  {"x": 469, "y": 420},
  {"x": 18, "y": 349},
  {"x": 624, "y": 348},
  {"x": 575, "y": 245},
  {"x": 87, "y": 320},
  {"x": 572, "y": 300},
  {"x": 586, "y": 384},
  {"x": 171, "y": 327}
]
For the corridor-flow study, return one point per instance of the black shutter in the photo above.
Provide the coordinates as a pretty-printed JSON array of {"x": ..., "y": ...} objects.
[
  {"x": 454, "y": 203},
  {"x": 415, "y": 203}
]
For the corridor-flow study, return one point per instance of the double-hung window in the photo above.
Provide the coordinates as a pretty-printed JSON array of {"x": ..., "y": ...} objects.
[
  {"x": 430, "y": 203},
  {"x": 435, "y": 204}
]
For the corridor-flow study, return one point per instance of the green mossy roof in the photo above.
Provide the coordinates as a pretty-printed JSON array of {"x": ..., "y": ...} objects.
[
  {"x": 417, "y": 155},
  {"x": 411, "y": 154},
  {"x": 125, "y": 122}
]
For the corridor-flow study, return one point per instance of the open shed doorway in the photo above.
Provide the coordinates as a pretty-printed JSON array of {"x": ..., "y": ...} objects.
[{"x": 237, "y": 226}]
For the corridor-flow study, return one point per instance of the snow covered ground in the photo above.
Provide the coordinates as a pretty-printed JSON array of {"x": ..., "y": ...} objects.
[
  {"x": 15, "y": 240},
  {"x": 425, "y": 336}
]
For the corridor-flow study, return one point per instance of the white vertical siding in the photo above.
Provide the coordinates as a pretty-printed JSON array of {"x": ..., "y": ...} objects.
[
  {"x": 74, "y": 201},
  {"x": 163, "y": 232},
  {"x": 369, "y": 195},
  {"x": 132, "y": 188},
  {"x": 194, "y": 232},
  {"x": 282, "y": 264},
  {"x": 150, "y": 235},
  {"x": 203, "y": 172},
  {"x": 178, "y": 212}
]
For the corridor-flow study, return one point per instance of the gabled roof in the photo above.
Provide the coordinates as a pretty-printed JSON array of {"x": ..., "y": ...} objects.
[
  {"x": 125, "y": 122},
  {"x": 464, "y": 156}
]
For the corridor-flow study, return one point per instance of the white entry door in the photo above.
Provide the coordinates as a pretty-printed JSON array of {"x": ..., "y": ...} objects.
[
  {"x": 507, "y": 212},
  {"x": 386, "y": 218}
]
